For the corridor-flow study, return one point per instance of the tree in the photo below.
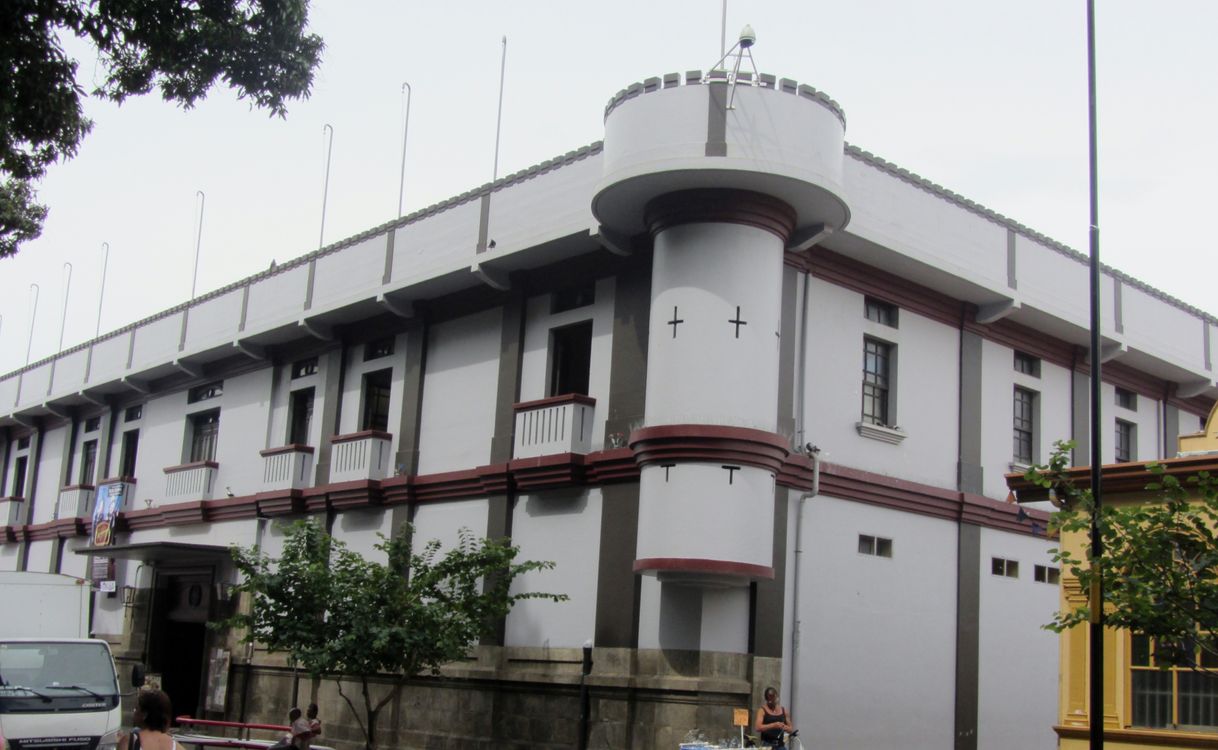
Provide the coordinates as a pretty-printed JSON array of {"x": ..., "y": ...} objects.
[
  {"x": 1159, "y": 568},
  {"x": 339, "y": 615},
  {"x": 182, "y": 47}
]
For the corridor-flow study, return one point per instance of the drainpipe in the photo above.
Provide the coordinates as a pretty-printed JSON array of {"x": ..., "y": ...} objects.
[{"x": 799, "y": 551}]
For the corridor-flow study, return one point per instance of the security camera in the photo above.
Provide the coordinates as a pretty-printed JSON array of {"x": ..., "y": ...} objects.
[{"x": 747, "y": 37}]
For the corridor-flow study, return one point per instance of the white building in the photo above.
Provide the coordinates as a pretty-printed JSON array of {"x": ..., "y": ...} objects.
[{"x": 752, "y": 389}]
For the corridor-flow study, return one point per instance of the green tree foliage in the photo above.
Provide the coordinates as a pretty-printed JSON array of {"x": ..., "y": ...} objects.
[
  {"x": 1159, "y": 567},
  {"x": 182, "y": 47},
  {"x": 342, "y": 616}
]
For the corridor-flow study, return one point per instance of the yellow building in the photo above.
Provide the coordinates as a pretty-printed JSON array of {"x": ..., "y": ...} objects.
[{"x": 1144, "y": 706}]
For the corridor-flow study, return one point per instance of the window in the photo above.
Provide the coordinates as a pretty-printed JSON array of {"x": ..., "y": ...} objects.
[
  {"x": 379, "y": 348},
  {"x": 131, "y": 446},
  {"x": 19, "y": 476},
  {"x": 570, "y": 359},
  {"x": 376, "y": 400},
  {"x": 1126, "y": 399},
  {"x": 1024, "y": 424},
  {"x": 23, "y": 443},
  {"x": 877, "y": 361},
  {"x": 572, "y": 298},
  {"x": 92, "y": 424},
  {"x": 205, "y": 431},
  {"x": 1046, "y": 574},
  {"x": 875, "y": 545},
  {"x": 205, "y": 392},
  {"x": 305, "y": 367},
  {"x": 1027, "y": 364},
  {"x": 1126, "y": 441},
  {"x": 1001, "y": 566},
  {"x": 88, "y": 462},
  {"x": 1164, "y": 695},
  {"x": 300, "y": 416},
  {"x": 134, "y": 413},
  {"x": 880, "y": 312}
]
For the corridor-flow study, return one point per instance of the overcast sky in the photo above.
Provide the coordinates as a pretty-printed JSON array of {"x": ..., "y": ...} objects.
[{"x": 987, "y": 98}]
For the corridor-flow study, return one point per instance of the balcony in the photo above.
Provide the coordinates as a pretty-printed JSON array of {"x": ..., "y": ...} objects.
[
  {"x": 360, "y": 456},
  {"x": 289, "y": 467},
  {"x": 562, "y": 424},
  {"x": 75, "y": 501},
  {"x": 10, "y": 510},
  {"x": 190, "y": 482}
]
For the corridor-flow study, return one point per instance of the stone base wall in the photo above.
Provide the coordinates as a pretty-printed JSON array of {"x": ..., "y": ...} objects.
[{"x": 503, "y": 698}]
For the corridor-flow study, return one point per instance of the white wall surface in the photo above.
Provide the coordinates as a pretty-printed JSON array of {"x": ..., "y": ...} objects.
[
  {"x": 350, "y": 274},
  {"x": 705, "y": 374},
  {"x": 46, "y": 494},
  {"x": 109, "y": 358},
  {"x": 243, "y": 418},
  {"x": 436, "y": 241},
  {"x": 926, "y": 388},
  {"x": 1147, "y": 418},
  {"x": 875, "y": 631},
  {"x": 157, "y": 341},
  {"x": 562, "y": 527},
  {"x": 73, "y": 564},
  {"x": 459, "y": 393},
  {"x": 40, "y": 555},
  {"x": 214, "y": 321},
  {"x": 444, "y": 521},
  {"x": 1017, "y": 669},
  {"x": 561, "y": 195},
  {"x": 277, "y": 299},
  {"x": 361, "y": 531},
  {"x": 998, "y": 381},
  {"x": 535, "y": 358},
  {"x": 9, "y": 557}
]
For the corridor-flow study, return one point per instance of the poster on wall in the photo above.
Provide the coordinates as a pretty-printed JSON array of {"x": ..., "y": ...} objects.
[
  {"x": 106, "y": 505},
  {"x": 217, "y": 679}
]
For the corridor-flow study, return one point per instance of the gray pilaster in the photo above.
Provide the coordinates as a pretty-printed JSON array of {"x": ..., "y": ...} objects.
[
  {"x": 1118, "y": 309},
  {"x": 617, "y": 585},
  {"x": 716, "y": 120},
  {"x": 1012, "y": 261},
  {"x": 1171, "y": 430},
  {"x": 970, "y": 475},
  {"x": 66, "y": 464},
  {"x": 110, "y": 421},
  {"x": 332, "y": 365},
  {"x": 31, "y": 481},
  {"x": 1080, "y": 419},
  {"x": 407, "y": 458},
  {"x": 968, "y": 607}
]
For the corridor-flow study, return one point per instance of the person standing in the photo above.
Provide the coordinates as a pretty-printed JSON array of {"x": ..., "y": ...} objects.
[
  {"x": 153, "y": 712},
  {"x": 772, "y": 721},
  {"x": 314, "y": 722}
]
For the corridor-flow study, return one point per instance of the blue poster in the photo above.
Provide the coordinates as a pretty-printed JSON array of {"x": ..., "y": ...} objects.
[{"x": 106, "y": 505}]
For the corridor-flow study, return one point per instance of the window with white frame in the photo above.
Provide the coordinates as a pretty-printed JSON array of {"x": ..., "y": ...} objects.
[
  {"x": 878, "y": 311},
  {"x": 1126, "y": 441},
  {"x": 1126, "y": 399},
  {"x": 1001, "y": 566},
  {"x": 877, "y": 380},
  {"x": 875, "y": 545},
  {"x": 88, "y": 462},
  {"x": 1046, "y": 574},
  {"x": 377, "y": 389},
  {"x": 204, "y": 435},
  {"x": 1023, "y": 425},
  {"x": 1027, "y": 364},
  {"x": 570, "y": 359}
]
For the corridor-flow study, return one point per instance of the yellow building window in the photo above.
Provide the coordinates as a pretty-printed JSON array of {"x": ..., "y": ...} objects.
[{"x": 1174, "y": 697}]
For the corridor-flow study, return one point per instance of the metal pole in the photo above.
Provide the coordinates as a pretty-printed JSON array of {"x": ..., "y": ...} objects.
[
  {"x": 585, "y": 703},
  {"x": 405, "y": 129},
  {"x": 101, "y": 295},
  {"x": 325, "y": 186},
  {"x": 723, "y": 33},
  {"x": 499, "y": 118},
  {"x": 194, "y": 279},
  {"x": 63, "y": 318},
  {"x": 30, "y": 342},
  {"x": 1096, "y": 626}
]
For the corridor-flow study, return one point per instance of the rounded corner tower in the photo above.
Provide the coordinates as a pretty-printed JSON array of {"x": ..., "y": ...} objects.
[{"x": 725, "y": 177}]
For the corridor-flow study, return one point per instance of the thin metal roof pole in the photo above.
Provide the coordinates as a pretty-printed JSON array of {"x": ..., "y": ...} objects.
[
  {"x": 33, "y": 315},
  {"x": 101, "y": 294},
  {"x": 499, "y": 117},
  {"x": 405, "y": 129},
  {"x": 1096, "y": 625},
  {"x": 325, "y": 185},
  {"x": 63, "y": 317},
  {"x": 194, "y": 279},
  {"x": 723, "y": 32}
]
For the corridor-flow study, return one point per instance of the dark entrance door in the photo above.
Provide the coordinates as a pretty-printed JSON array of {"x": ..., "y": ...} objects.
[{"x": 178, "y": 638}]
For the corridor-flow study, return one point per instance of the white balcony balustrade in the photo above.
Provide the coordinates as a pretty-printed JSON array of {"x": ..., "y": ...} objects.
[
  {"x": 562, "y": 424},
  {"x": 190, "y": 482},
  {"x": 289, "y": 467},
  {"x": 360, "y": 456},
  {"x": 75, "y": 501}
]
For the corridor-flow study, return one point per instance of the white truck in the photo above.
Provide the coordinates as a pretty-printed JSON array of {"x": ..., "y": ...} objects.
[{"x": 58, "y": 687}]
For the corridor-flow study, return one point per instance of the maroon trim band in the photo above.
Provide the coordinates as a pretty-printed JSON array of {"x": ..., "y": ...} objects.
[
  {"x": 710, "y": 443},
  {"x": 289, "y": 448},
  {"x": 352, "y": 436},
  {"x": 70, "y": 487},
  {"x": 189, "y": 466},
  {"x": 702, "y": 566},
  {"x": 723, "y": 206},
  {"x": 567, "y": 398}
]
